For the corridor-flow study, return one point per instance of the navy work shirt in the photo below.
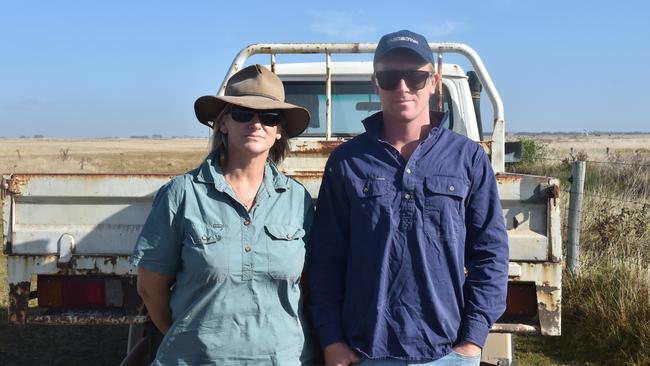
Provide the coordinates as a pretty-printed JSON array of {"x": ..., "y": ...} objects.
[{"x": 391, "y": 242}]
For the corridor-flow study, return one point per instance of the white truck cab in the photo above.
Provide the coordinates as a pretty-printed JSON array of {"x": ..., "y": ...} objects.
[{"x": 354, "y": 98}]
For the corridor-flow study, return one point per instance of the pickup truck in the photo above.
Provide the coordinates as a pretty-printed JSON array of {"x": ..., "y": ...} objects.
[{"x": 67, "y": 236}]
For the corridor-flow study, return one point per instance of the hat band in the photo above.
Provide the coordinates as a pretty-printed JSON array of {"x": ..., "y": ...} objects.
[{"x": 249, "y": 94}]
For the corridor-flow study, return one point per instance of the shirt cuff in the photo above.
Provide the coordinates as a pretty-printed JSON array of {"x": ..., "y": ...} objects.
[
  {"x": 330, "y": 333},
  {"x": 164, "y": 270},
  {"x": 474, "y": 331}
]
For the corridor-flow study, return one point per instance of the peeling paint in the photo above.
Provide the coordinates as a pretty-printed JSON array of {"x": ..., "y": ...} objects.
[
  {"x": 88, "y": 318},
  {"x": 18, "y": 302},
  {"x": 16, "y": 184}
]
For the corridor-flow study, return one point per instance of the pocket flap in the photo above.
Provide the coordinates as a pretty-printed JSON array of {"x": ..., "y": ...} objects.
[
  {"x": 284, "y": 232},
  {"x": 372, "y": 187},
  {"x": 449, "y": 186},
  {"x": 205, "y": 233}
]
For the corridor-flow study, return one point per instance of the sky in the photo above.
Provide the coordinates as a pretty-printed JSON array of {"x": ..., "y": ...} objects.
[{"x": 122, "y": 68}]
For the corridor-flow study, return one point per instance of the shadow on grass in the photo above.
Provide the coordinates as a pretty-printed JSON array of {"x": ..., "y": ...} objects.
[{"x": 61, "y": 344}]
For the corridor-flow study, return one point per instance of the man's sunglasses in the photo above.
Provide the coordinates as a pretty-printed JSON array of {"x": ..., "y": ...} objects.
[
  {"x": 414, "y": 79},
  {"x": 269, "y": 118}
]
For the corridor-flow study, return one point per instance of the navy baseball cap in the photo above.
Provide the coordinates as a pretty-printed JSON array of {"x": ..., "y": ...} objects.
[{"x": 407, "y": 40}]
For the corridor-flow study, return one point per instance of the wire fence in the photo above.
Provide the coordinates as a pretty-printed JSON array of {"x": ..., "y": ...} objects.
[
  {"x": 569, "y": 160},
  {"x": 619, "y": 200},
  {"x": 612, "y": 198}
]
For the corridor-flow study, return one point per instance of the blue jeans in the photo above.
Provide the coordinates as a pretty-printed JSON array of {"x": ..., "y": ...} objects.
[{"x": 452, "y": 359}]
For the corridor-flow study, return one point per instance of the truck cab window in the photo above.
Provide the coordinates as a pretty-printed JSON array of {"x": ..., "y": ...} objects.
[{"x": 352, "y": 101}]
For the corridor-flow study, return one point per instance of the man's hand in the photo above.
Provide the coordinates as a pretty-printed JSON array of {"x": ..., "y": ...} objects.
[
  {"x": 339, "y": 354},
  {"x": 467, "y": 349}
]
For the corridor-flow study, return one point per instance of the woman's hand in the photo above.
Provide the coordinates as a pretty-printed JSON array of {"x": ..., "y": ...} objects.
[
  {"x": 153, "y": 287},
  {"x": 340, "y": 354}
]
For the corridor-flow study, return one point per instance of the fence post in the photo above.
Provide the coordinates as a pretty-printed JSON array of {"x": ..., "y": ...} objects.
[{"x": 575, "y": 214}]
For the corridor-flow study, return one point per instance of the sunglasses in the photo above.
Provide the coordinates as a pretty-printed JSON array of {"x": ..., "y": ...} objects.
[
  {"x": 269, "y": 118},
  {"x": 414, "y": 79}
]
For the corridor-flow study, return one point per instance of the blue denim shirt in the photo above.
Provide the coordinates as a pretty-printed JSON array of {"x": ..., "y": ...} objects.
[
  {"x": 236, "y": 299},
  {"x": 391, "y": 242}
]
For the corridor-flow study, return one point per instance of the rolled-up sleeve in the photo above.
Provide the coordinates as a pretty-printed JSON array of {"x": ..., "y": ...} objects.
[
  {"x": 159, "y": 243},
  {"x": 327, "y": 263},
  {"x": 486, "y": 255}
]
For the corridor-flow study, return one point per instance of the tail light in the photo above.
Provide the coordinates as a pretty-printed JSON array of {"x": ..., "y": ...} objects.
[
  {"x": 84, "y": 292},
  {"x": 521, "y": 301}
]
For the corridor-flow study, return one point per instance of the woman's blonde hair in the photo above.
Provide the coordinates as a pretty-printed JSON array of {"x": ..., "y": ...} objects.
[{"x": 277, "y": 153}]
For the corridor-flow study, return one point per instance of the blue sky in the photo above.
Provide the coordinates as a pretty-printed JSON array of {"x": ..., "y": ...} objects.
[{"x": 123, "y": 68}]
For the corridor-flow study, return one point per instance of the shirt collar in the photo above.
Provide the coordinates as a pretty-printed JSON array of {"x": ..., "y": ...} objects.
[
  {"x": 374, "y": 123},
  {"x": 210, "y": 172}
]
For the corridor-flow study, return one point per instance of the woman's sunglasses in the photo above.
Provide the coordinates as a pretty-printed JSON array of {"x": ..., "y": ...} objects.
[
  {"x": 269, "y": 118},
  {"x": 414, "y": 79}
]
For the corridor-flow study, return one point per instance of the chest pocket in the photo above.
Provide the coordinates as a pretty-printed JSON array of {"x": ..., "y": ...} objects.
[
  {"x": 286, "y": 250},
  {"x": 444, "y": 205},
  {"x": 203, "y": 251}
]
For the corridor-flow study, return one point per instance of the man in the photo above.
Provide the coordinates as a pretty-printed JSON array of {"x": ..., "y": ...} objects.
[{"x": 409, "y": 254}]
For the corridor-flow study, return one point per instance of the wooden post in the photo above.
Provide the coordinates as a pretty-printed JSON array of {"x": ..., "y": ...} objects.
[{"x": 575, "y": 215}]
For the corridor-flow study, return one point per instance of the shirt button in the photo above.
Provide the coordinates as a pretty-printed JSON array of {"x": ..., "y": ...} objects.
[
  {"x": 247, "y": 222},
  {"x": 452, "y": 188},
  {"x": 407, "y": 196},
  {"x": 408, "y": 171},
  {"x": 247, "y": 248},
  {"x": 204, "y": 238},
  {"x": 365, "y": 189}
]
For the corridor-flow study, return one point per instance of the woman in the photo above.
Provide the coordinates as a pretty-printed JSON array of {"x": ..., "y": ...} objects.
[{"x": 221, "y": 254}]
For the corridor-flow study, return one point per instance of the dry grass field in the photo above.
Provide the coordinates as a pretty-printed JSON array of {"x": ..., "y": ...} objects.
[
  {"x": 100, "y": 155},
  {"x": 66, "y": 345},
  {"x": 178, "y": 155},
  {"x": 596, "y": 146}
]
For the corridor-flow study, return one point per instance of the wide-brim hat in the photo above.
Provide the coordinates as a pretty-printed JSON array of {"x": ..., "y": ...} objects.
[{"x": 254, "y": 87}]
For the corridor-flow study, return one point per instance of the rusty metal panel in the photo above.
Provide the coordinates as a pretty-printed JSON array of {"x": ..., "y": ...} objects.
[
  {"x": 527, "y": 202},
  {"x": 548, "y": 283},
  {"x": 307, "y": 161},
  {"x": 22, "y": 267},
  {"x": 18, "y": 301},
  {"x": 76, "y": 214}
]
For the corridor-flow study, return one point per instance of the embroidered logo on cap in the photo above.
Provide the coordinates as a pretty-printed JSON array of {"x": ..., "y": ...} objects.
[{"x": 403, "y": 38}]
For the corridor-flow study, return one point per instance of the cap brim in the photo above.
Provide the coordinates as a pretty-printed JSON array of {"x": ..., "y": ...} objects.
[{"x": 295, "y": 120}]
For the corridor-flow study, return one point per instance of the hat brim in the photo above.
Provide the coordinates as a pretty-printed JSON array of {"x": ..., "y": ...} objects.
[{"x": 294, "y": 122}]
